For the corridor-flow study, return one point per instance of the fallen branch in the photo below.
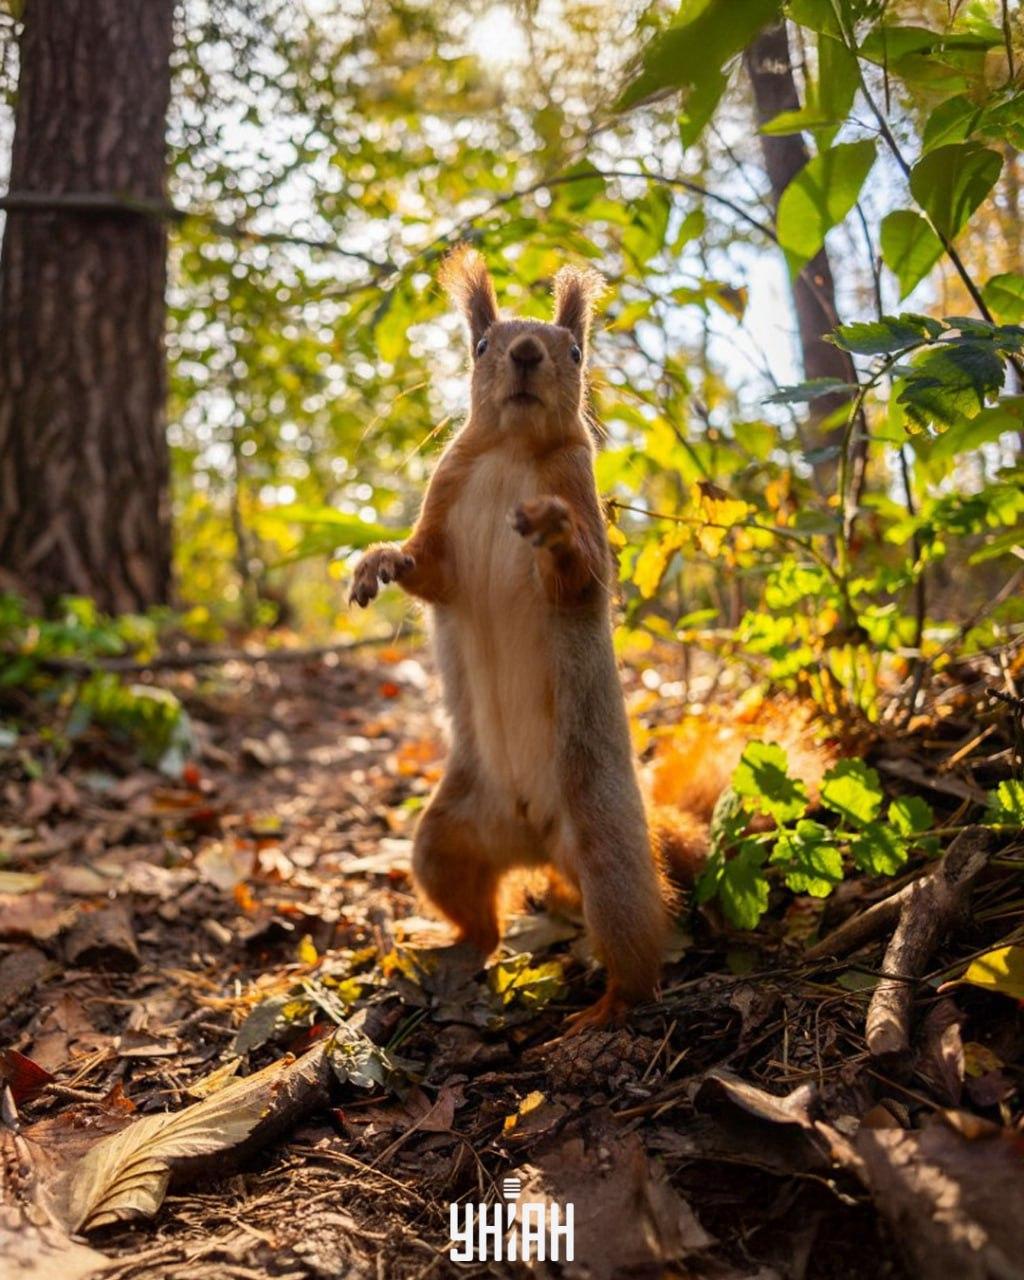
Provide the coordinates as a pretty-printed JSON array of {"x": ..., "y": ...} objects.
[
  {"x": 924, "y": 911},
  {"x": 187, "y": 659}
]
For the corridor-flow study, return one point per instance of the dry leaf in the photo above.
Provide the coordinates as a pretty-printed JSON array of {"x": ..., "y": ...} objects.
[
  {"x": 627, "y": 1216},
  {"x": 126, "y": 1175}
]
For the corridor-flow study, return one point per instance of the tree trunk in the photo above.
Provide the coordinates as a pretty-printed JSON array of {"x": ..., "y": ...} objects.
[
  {"x": 84, "y": 470},
  {"x": 770, "y": 70}
]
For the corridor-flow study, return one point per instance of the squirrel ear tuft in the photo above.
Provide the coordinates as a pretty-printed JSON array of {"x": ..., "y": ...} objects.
[
  {"x": 576, "y": 288},
  {"x": 464, "y": 278}
]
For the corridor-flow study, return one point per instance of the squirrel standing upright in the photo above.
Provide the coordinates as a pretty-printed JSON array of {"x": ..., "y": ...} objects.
[{"x": 511, "y": 554}]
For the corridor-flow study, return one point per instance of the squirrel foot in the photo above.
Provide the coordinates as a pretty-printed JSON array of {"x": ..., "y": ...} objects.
[
  {"x": 609, "y": 1011},
  {"x": 383, "y": 564}
]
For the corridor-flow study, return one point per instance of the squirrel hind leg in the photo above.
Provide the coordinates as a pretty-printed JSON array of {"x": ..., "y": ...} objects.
[
  {"x": 627, "y": 918},
  {"x": 451, "y": 868}
]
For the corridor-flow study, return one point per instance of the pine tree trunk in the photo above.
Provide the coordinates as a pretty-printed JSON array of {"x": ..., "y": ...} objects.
[
  {"x": 770, "y": 71},
  {"x": 84, "y": 470}
]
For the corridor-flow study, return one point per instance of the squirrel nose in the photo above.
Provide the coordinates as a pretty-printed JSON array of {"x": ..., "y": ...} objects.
[{"x": 526, "y": 353}]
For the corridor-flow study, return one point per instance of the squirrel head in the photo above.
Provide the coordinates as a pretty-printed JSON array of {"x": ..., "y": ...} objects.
[{"x": 528, "y": 376}]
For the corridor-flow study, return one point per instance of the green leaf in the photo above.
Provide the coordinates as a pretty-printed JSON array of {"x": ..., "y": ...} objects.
[
  {"x": 645, "y": 235},
  {"x": 742, "y": 887},
  {"x": 888, "y": 45},
  {"x": 810, "y": 859},
  {"x": 879, "y": 850},
  {"x": 586, "y": 185},
  {"x": 699, "y": 104},
  {"x": 693, "y": 52},
  {"x": 949, "y": 380},
  {"x": 820, "y": 15},
  {"x": 820, "y": 196},
  {"x": 951, "y": 121},
  {"x": 1004, "y": 294},
  {"x": 911, "y": 815},
  {"x": 910, "y": 248},
  {"x": 967, "y": 434},
  {"x": 837, "y": 84},
  {"x": 762, "y": 777},
  {"x": 757, "y": 438},
  {"x": 812, "y": 389},
  {"x": 886, "y": 335},
  {"x": 1006, "y": 803},
  {"x": 852, "y": 789},
  {"x": 518, "y": 981},
  {"x": 950, "y": 182},
  {"x": 728, "y": 821}
]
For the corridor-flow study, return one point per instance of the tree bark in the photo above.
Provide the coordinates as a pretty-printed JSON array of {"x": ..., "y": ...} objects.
[
  {"x": 769, "y": 68},
  {"x": 84, "y": 467}
]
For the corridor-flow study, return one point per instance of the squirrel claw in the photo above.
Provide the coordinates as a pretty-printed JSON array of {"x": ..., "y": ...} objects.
[
  {"x": 609, "y": 1011},
  {"x": 379, "y": 566},
  {"x": 544, "y": 520}
]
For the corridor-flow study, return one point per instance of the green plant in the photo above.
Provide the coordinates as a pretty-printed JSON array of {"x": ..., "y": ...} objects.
[{"x": 806, "y": 854}]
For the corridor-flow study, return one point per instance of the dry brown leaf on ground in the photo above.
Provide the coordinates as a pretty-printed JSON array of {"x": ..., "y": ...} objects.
[
  {"x": 126, "y": 1175},
  {"x": 953, "y": 1194},
  {"x": 627, "y": 1216},
  {"x": 40, "y": 916},
  {"x": 33, "y": 1244},
  {"x": 103, "y": 939},
  {"x": 20, "y": 972}
]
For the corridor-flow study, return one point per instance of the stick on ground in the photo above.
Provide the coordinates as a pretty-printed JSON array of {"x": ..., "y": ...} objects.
[{"x": 924, "y": 912}]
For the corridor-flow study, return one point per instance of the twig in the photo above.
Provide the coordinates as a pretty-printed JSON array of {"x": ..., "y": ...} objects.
[
  {"x": 109, "y": 203},
  {"x": 926, "y": 911},
  {"x": 202, "y": 657}
]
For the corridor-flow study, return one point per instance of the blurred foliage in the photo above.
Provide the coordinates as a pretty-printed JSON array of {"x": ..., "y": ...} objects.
[
  {"x": 48, "y": 659},
  {"x": 331, "y": 152}
]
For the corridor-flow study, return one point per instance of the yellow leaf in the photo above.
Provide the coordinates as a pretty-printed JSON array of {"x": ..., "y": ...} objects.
[
  {"x": 1001, "y": 970},
  {"x": 653, "y": 560},
  {"x": 720, "y": 511},
  {"x": 616, "y": 537},
  {"x": 716, "y": 506},
  {"x": 711, "y": 540},
  {"x": 528, "y": 1104},
  {"x": 307, "y": 952}
]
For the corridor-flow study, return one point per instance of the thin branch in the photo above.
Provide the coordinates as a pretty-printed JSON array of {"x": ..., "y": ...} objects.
[
  {"x": 99, "y": 203},
  {"x": 188, "y": 659},
  {"x": 785, "y": 535}
]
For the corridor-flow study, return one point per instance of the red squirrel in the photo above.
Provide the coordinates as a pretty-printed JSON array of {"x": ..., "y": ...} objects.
[{"x": 511, "y": 555}]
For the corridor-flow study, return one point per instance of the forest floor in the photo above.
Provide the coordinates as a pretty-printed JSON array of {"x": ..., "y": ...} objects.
[{"x": 162, "y": 941}]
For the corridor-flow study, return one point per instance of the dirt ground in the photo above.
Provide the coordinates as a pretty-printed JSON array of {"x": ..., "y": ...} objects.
[{"x": 172, "y": 936}]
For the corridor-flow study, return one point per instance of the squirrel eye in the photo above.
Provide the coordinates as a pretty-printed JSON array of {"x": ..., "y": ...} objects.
[
  {"x": 575, "y": 354},
  {"x": 481, "y": 347}
]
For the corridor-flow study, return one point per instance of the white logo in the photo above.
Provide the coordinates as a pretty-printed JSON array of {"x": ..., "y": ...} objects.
[{"x": 511, "y": 1232}]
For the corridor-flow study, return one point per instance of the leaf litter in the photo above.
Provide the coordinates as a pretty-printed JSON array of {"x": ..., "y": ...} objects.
[{"x": 264, "y": 1061}]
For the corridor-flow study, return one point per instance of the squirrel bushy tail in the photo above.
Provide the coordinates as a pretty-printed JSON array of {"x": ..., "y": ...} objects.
[{"x": 694, "y": 765}]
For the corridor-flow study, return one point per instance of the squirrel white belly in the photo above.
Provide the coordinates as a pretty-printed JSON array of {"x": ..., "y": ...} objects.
[{"x": 499, "y": 625}]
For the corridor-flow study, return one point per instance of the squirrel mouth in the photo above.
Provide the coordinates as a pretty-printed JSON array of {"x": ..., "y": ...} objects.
[{"x": 523, "y": 397}]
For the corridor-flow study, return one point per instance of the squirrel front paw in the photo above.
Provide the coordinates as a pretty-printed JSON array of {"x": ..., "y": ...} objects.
[
  {"x": 545, "y": 521},
  {"x": 380, "y": 565}
]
